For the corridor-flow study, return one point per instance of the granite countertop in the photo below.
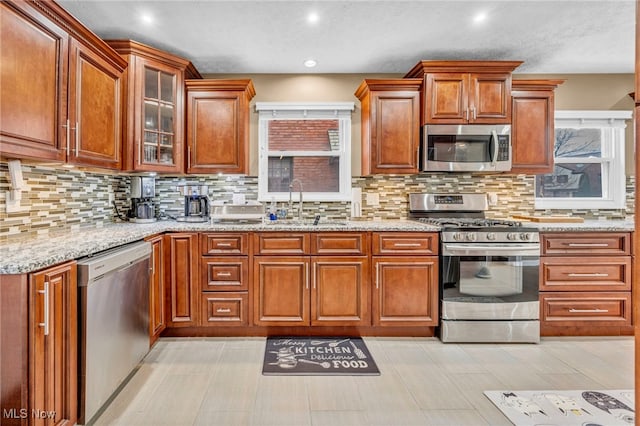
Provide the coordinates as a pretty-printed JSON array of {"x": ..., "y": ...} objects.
[
  {"x": 586, "y": 226},
  {"x": 49, "y": 249}
]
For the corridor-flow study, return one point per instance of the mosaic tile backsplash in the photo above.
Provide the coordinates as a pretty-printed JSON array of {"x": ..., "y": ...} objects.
[{"x": 59, "y": 198}]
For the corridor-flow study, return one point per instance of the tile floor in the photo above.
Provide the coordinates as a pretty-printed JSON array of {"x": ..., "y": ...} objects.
[{"x": 217, "y": 381}]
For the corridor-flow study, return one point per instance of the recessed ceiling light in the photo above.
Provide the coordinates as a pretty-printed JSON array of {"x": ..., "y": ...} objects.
[
  {"x": 146, "y": 18},
  {"x": 310, "y": 63},
  {"x": 480, "y": 17},
  {"x": 313, "y": 17}
]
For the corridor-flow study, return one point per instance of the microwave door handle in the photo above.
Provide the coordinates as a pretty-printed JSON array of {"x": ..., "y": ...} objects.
[{"x": 496, "y": 145}]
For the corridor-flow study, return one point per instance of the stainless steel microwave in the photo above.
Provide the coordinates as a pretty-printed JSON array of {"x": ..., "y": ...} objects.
[{"x": 466, "y": 148}]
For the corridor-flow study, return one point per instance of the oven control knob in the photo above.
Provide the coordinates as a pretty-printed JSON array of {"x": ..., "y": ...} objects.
[
  {"x": 525, "y": 236},
  {"x": 512, "y": 236},
  {"x": 491, "y": 236},
  {"x": 458, "y": 236},
  {"x": 471, "y": 236}
]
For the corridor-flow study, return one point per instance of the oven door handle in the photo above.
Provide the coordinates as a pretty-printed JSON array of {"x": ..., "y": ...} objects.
[{"x": 490, "y": 250}]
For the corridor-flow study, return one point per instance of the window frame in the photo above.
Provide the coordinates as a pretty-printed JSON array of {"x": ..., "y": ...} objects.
[
  {"x": 340, "y": 111},
  {"x": 612, "y": 125}
]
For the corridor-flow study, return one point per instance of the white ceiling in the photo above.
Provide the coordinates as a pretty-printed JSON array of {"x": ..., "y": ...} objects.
[{"x": 360, "y": 36}]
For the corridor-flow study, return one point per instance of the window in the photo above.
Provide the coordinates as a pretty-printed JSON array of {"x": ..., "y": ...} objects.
[
  {"x": 304, "y": 145},
  {"x": 589, "y": 166}
]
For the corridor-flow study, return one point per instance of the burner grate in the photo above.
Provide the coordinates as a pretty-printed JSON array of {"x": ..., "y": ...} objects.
[{"x": 471, "y": 222}]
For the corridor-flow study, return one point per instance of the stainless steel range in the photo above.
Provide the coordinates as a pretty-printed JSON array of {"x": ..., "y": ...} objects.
[{"x": 489, "y": 270}]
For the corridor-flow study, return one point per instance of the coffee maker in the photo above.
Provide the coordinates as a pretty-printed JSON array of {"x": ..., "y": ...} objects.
[
  {"x": 196, "y": 203},
  {"x": 143, "y": 189}
]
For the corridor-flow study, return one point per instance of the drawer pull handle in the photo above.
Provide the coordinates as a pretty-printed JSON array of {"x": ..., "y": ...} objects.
[
  {"x": 223, "y": 274},
  {"x": 588, "y": 245},
  {"x": 406, "y": 244},
  {"x": 585, "y": 311},
  {"x": 45, "y": 324},
  {"x": 223, "y": 310},
  {"x": 223, "y": 245},
  {"x": 593, "y": 274}
]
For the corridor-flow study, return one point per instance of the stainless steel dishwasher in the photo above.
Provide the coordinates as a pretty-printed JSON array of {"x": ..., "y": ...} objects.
[{"x": 113, "y": 322}]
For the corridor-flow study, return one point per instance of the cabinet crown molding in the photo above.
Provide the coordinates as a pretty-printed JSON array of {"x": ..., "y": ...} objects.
[
  {"x": 132, "y": 47},
  {"x": 425, "y": 67}
]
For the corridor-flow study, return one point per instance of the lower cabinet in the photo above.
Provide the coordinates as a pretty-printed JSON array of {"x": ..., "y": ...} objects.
[
  {"x": 585, "y": 283},
  {"x": 405, "y": 279},
  {"x": 157, "y": 317},
  {"x": 183, "y": 286},
  {"x": 318, "y": 279},
  {"x": 53, "y": 345},
  {"x": 39, "y": 351},
  {"x": 281, "y": 290},
  {"x": 301, "y": 279},
  {"x": 405, "y": 291},
  {"x": 309, "y": 290}
]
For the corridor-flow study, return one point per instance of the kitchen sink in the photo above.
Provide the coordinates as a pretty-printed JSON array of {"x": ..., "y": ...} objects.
[{"x": 310, "y": 223}]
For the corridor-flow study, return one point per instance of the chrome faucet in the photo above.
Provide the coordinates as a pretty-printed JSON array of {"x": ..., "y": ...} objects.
[{"x": 290, "y": 200}]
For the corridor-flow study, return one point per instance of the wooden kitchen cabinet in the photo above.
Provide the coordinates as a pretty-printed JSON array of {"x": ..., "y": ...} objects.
[
  {"x": 32, "y": 45},
  {"x": 281, "y": 290},
  {"x": 61, "y": 88},
  {"x": 218, "y": 125},
  {"x": 296, "y": 283},
  {"x": 340, "y": 291},
  {"x": 53, "y": 344},
  {"x": 390, "y": 125},
  {"x": 94, "y": 109},
  {"x": 224, "y": 279},
  {"x": 585, "y": 283},
  {"x": 153, "y": 104},
  {"x": 533, "y": 130},
  {"x": 39, "y": 352},
  {"x": 466, "y": 92},
  {"x": 157, "y": 317},
  {"x": 183, "y": 284},
  {"x": 405, "y": 279}
]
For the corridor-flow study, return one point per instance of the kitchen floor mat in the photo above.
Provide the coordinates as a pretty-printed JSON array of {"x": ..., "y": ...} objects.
[
  {"x": 312, "y": 356},
  {"x": 574, "y": 407}
]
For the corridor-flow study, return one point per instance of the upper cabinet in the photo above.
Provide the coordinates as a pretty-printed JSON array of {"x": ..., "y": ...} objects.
[
  {"x": 218, "y": 125},
  {"x": 61, "y": 84},
  {"x": 390, "y": 125},
  {"x": 466, "y": 92},
  {"x": 532, "y": 130},
  {"x": 153, "y": 103}
]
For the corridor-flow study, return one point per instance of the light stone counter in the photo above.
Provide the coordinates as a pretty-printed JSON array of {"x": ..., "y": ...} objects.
[
  {"x": 40, "y": 252},
  {"x": 586, "y": 226}
]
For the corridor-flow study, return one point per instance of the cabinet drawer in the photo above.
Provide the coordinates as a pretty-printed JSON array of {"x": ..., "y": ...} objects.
[
  {"x": 405, "y": 243},
  {"x": 605, "y": 243},
  {"x": 281, "y": 243},
  {"x": 588, "y": 308},
  {"x": 224, "y": 273},
  {"x": 224, "y": 243},
  {"x": 593, "y": 273},
  {"x": 225, "y": 309},
  {"x": 340, "y": 243}
]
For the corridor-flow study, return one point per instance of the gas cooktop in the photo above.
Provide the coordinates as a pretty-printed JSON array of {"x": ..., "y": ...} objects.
[{"x": 458, "y": 222}]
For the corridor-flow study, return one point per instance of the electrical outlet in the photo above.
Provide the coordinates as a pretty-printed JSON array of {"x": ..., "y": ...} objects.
[
  {"x": 493, "y": 198},
  {"x": 373, "y": 199}
]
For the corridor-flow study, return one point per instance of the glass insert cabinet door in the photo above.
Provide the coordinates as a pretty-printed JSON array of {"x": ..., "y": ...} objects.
[{"x": 159, "y": 117}]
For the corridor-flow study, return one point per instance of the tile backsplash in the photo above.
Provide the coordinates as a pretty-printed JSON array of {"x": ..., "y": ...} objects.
[{"x": 58, "y": 198}]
